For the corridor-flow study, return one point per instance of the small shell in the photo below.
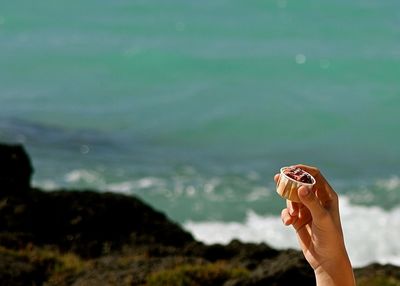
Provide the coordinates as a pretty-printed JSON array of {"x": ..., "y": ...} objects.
[{"x": 287, "y": 187}]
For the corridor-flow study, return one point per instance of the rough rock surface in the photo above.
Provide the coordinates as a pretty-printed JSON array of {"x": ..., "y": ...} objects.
[{"x": 15, "y": 168}]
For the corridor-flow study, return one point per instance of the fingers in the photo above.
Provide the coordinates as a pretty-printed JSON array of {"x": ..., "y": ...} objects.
[
  {"x": 299, "y": 222},
  {"x": 324, "y": 191},
  {"x": 313, "y": 204},
  {"x": 291, "y": 213},
  {"x": 293, "y": 207},
  {"x": 287, "y": 219},
  {"x": 318, "y": 201},
  {"x": 304, "y": 218}
]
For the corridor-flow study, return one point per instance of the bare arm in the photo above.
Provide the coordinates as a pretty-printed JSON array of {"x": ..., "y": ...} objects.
[{"x": 317, "y": 223}]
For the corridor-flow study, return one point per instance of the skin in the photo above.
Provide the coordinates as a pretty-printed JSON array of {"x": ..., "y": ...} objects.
[{"x": 316, "y": 221}]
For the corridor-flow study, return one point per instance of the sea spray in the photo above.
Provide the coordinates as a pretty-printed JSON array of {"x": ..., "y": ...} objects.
[{"x": 371, "y": 233}]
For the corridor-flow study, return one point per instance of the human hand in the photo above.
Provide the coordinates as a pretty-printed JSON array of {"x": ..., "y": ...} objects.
[{"x": 317, "y": 223}]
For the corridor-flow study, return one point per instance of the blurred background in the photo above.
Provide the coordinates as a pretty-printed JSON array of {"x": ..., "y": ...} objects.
[{"x": 194, "y": 105}]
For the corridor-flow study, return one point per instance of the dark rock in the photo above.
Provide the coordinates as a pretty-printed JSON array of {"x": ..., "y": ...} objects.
[
  {"x": 250, "y": 254},
  {"x": 15, "y": 169},
  {"x": 246, "y": 254},
  {"x": 86, "y": 222},
  {"x": 17, "y": 270},
  {"x": 288, "y": 268},
  {"x": 377, "y": 274},
  {"x": 116, "y": 271}
]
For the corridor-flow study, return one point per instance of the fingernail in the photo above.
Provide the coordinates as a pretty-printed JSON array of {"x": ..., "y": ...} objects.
[
  {"x": 285, "y": 221},
  {"x": 304, "y": 191}
]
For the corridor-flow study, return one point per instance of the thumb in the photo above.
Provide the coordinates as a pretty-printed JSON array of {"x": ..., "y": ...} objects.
[{"x": 310, "y": 200}]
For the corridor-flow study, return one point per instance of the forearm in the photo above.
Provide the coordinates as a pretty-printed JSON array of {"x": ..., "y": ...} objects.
[{"x": 337, "y": 274}]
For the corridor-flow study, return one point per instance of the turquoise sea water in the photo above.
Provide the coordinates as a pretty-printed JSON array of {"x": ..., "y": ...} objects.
[{"x": 194, "y": 105}]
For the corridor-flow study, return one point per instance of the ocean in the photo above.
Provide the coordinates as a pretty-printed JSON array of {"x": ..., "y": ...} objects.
[{"x": 194, "y": 106}]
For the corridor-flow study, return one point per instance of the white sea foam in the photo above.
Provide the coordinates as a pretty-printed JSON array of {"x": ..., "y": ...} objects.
[
  {"x": 371, "y": 233},
  {"x": 82, "y": 175},
  {"x": 46, "y": 184},
  {"x": 122, "y": 188},
  {"x": 129, "y": 187},
  {"x": 391, "y": 184}
]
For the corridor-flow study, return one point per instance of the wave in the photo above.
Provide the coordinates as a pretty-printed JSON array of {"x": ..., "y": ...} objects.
[
  {"x": 371, "y": 233},
  {"x": 371, "y": 227},
  {"x": 80, "y": 178}
]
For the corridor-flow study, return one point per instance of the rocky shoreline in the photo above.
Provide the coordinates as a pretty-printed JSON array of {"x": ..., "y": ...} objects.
[{"x": 83, "y": 237}]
